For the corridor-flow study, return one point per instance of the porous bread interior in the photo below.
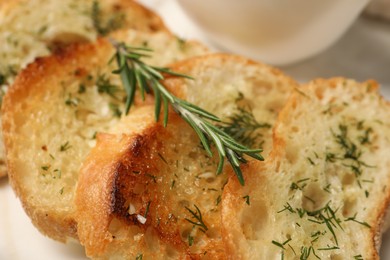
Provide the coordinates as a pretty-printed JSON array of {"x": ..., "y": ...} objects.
[
  {"x": 324, "y": 189},
  {"x": 223, "y": 83},
  {"x": 33, "y": 28},
  {"x": 26, "y": 27},
  {"x": 57, "y": 116},
  {"x": 170, "y": 170},
  {"x": 29, "y": 29},
  {"x": 169, "y": 173}
]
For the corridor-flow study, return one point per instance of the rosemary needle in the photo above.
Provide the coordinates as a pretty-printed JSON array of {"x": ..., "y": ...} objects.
[{"x": 134, "y": 72}]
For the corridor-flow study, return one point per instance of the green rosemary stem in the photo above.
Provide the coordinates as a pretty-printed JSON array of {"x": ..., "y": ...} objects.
[{"x": 135, "y": 73}]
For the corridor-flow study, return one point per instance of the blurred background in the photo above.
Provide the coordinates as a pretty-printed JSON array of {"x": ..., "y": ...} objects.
[{"x": 362, "y": 52}]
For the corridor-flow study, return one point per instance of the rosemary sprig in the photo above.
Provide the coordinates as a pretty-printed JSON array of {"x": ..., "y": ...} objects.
[{"x": 134, "y": 72}]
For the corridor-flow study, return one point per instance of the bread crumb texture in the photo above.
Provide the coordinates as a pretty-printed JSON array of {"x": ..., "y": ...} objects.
[
  {"x": 158, "y": 193},
  {"x": 56, "y": 108},
  {"x": 36, "y": 28},
  {"x": 324, "y": 190}
]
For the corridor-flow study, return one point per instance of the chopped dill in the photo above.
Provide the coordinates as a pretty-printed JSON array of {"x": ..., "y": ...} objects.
[
  {"x": 311, "y": 161},
  {"x": 306, "y": 252},
  {"x": 153, "y": 177},
  {"x": 219, "y": 198},
  {"x": 243, "y": 126},
  {"x": 199, "y": 219},
  {"x": 72, "y": 101},
  {"x": 325, "y": 215},
  {"x": 190, "y": 240},
  {"x": 45, "y": 167},
  {"x": 82, "y": 89},
  {"x": 299, "y": 185},
  {"x": 327, "y": 188},
  {"x": 173, "y": 184},
  {"x": 114, "y": 22},
  {"x": 105, "y": 86},
  {"x": 2, "y": 79},
  {"x": 181, "y": 42},
  {"x": 353, "y": 218},
  {"x": 366, "y": 138},
  {"x": 281, "y": 245},
  {"x": 247, "y": 199},
  {"x": 147, "y": 209},
  {"x": 278, "y": 244},
  {"x": 162, "y": 158},
  {"x": 58, "y": 172},
  {"x": 351, "y": 155},
  {"x": 328, "y": 248},
  {"x": 116, "y": 112},
  {"x": 64, "y": 147},
  {"x": 287, "y": 207}
]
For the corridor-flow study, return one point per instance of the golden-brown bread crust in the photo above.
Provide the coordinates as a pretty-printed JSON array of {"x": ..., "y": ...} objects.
[
  {"x": 265, "y": 89},
  {"x": 97, "y": 202},
  {"x": 135, "y": 16},
  {"x": 166, "y": 170},
  {"x": 136, "y": 174},
  {"x": 109, "y": 177},
  {"x": 45, "y": 110},
  {"x": 32, "y": 84},
  {"x": 275, "y": 187}
]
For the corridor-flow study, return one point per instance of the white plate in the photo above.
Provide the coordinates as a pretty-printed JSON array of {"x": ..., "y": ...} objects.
[{"x": 362, "y": 53}]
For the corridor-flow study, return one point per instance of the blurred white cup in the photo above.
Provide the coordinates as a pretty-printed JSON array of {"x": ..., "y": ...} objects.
[{"x": 278, "y": 32}]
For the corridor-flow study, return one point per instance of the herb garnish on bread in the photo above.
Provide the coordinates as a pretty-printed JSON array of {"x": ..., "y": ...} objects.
[
  {"x": 324, "y": 190},
  {"x": 153, "y": 191},
  {"x": 52, "y": 114},
  {"x": 34, "y": 28},
  {"x": 136, "y": 74}
]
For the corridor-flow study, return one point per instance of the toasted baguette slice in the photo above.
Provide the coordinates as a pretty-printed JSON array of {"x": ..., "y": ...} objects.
[
  {"x": 323, "y": 192},
  {"x": 52, "y": 114},
  {"x": 32, "y": 28},
  {"x": 143, "y": 184}
]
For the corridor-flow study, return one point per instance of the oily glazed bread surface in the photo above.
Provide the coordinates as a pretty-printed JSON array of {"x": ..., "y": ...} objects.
[
  {"x": 53, "y": 113},
  {"x": 152, "y": 179},
  {"x": 227, "y": 84},
  {"x": 33, "y": 28},
  {"x": 324, "y": 190}
]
